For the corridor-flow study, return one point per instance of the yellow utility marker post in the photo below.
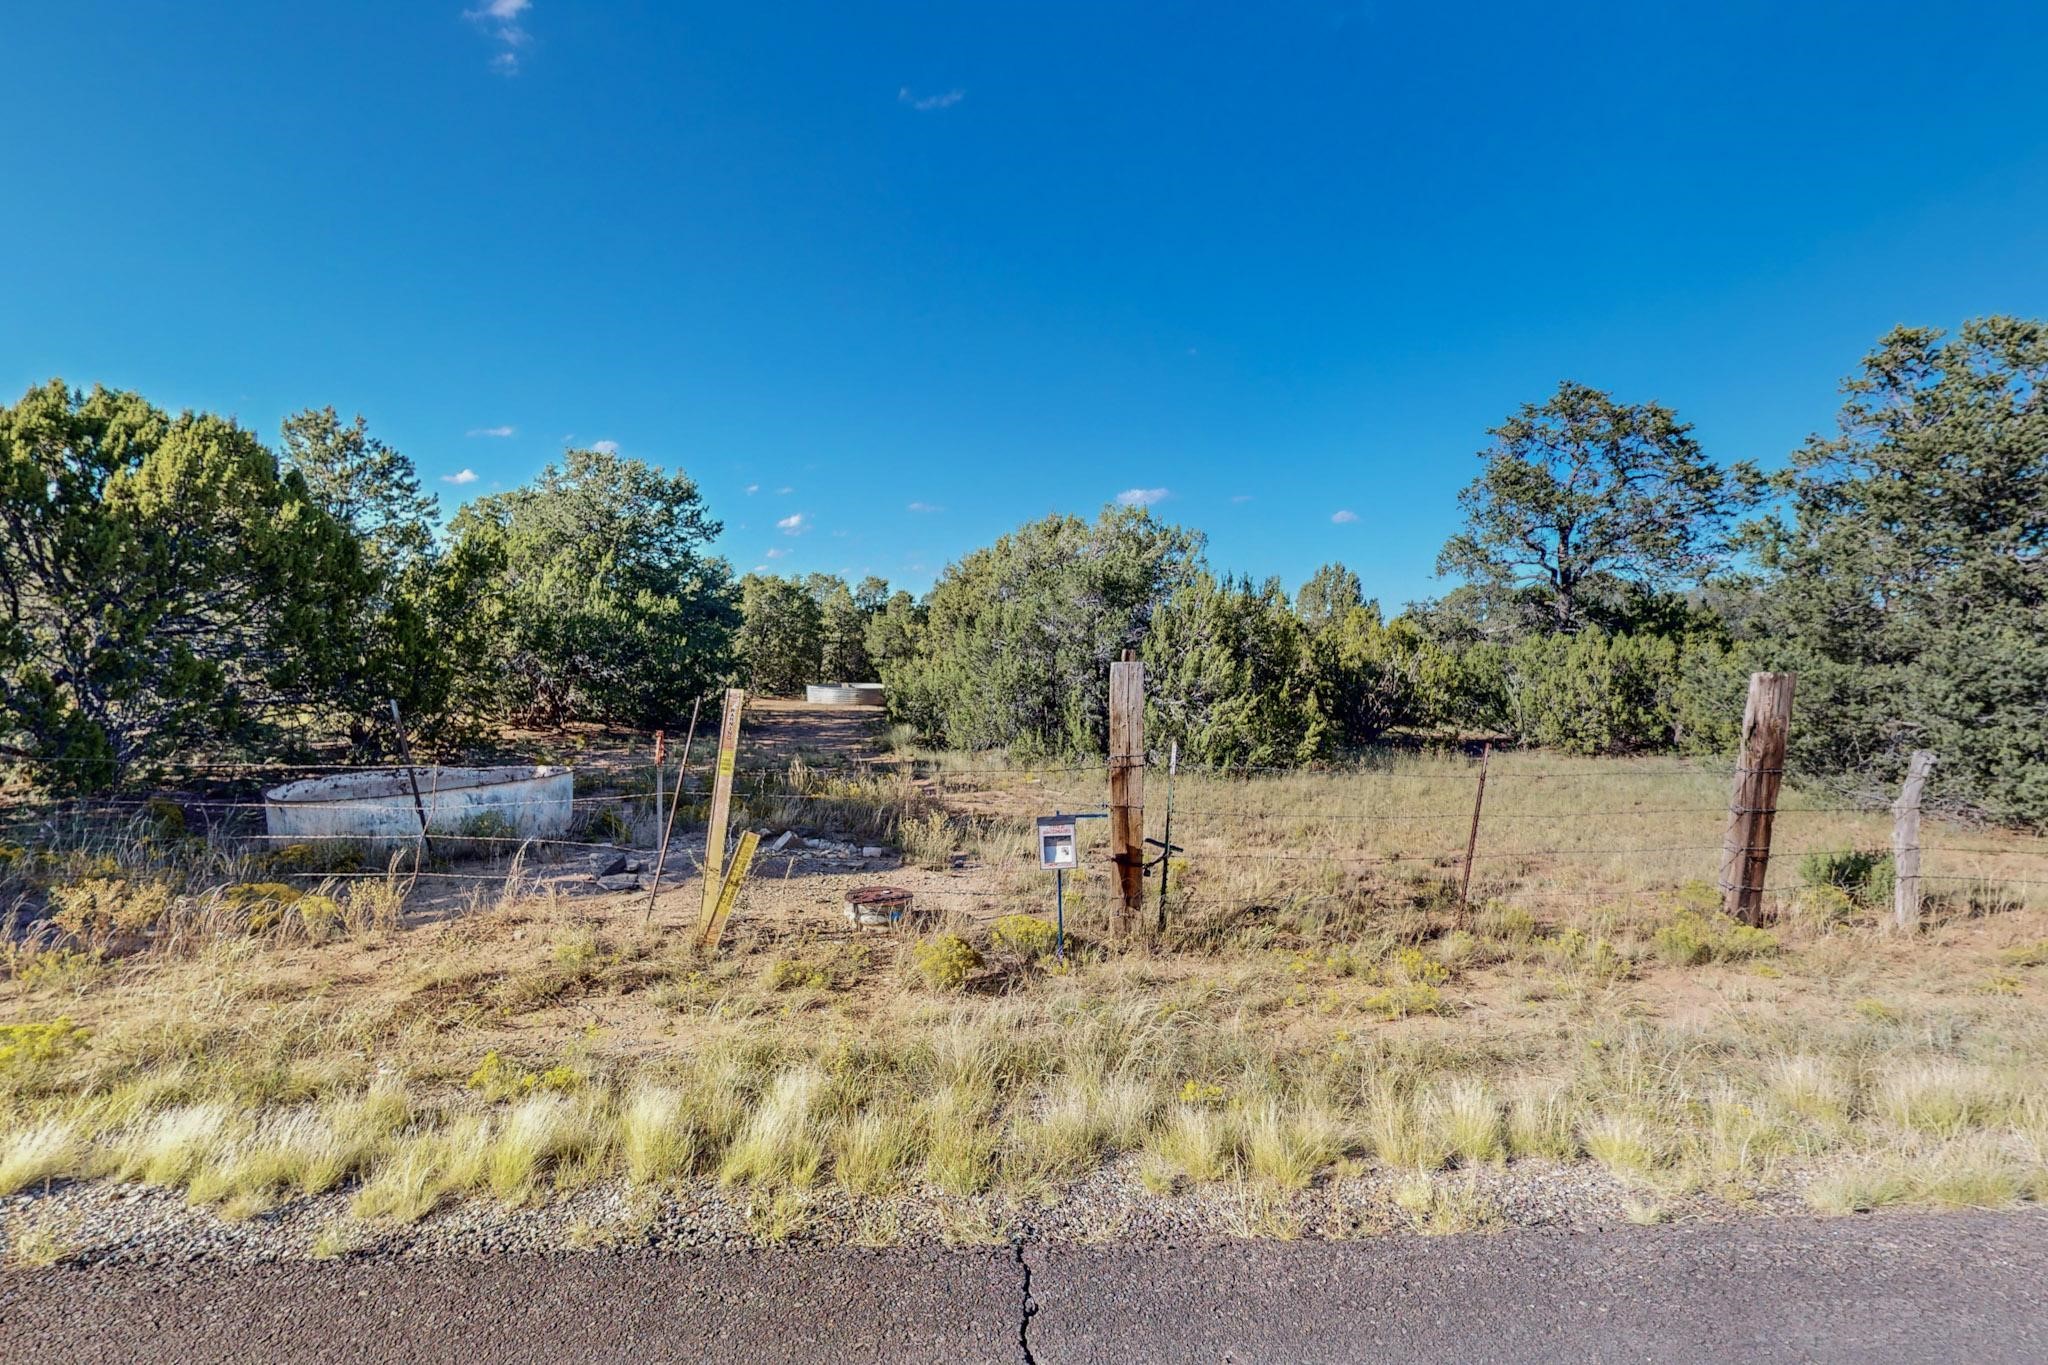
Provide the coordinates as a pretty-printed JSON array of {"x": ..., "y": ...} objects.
[{"x": 729, "y": 889}]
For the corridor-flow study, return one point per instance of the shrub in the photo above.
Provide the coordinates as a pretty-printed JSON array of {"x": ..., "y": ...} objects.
[
  {"x": 1692, "y": 939},
  {"x": 27, "y": 1049},
  {"x": 166, "y": 818},
  {"x": 57, "y": 969},
  {"x": 1507, "y": 923},
  {"x": 97, "y": 908},
  {"x": 945, "y": 961},
  {"x": 1818, "y": 907},
  {"x": 264, "y": 903},
  {"x": 1413, "y": 967},
  {"x": 501, "y": 1078},
  {"x": 321, "y": 855},
  {"x": 489, "y": 825},
  {"x": 1024, "y": 936},
  {"x": 1865, "y": 874},
  {"x": 607, "y": 825},
  {"x": 789, "y": 974}
]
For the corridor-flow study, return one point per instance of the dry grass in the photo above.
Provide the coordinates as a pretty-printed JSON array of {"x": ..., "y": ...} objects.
[{"x": 1321, "y": 1004}]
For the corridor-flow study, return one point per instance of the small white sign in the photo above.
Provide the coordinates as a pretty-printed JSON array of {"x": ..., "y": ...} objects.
[{"x": 1056, "y": 848}]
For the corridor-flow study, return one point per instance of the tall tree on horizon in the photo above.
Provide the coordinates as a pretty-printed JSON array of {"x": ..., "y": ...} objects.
[{"x": 1585, "y": 500}]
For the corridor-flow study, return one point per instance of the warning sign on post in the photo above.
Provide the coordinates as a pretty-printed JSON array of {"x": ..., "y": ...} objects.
[{"x": 1056, "y": 841}]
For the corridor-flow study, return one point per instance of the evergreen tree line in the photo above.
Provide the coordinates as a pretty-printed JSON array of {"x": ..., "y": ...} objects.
[
  {"x": 173, "y": 590},
  {"x": 1616, "y": 588}
]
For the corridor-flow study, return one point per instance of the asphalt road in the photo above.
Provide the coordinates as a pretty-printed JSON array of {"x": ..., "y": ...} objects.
[{"x": 1905, "y": 1287}]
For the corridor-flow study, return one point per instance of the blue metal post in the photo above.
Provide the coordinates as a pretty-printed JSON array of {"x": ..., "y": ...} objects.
[{"x": 1059, "y": 898}]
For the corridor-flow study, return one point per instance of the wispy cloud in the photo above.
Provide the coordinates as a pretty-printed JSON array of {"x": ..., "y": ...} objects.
[
  {"x": 1240, "y": 497},
  {"x": 460, "y": 476},
  {"x": 778, "y": 552},
  {"x": 605, "y": 447},
  {"x": 752, "y": 489},
  {"x": 1343, "y": 516},
  {"x": 785, "y": 490},
  {"x": 1141, "y": 497},
  {"x": 502, "y": 18},
  {"x": 795, "y": 524},
  {"x": 493, "y": 431},
  {"x": 926, "y": 507},
  {"x": 925, "y": 104}
]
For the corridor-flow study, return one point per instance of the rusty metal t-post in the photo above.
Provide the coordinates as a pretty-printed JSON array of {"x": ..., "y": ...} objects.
[
  {"x": 412, "y": 776},
  {"x": 1472, "y": 839},
  {"x": 669, "y": 828}
]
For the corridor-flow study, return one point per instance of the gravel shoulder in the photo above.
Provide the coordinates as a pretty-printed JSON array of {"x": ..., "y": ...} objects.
[{"x": 1901, "y": 1287}]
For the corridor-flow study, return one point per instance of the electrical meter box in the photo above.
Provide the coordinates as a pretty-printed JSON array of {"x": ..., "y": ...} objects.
[{"x": 1056, "y": 847}]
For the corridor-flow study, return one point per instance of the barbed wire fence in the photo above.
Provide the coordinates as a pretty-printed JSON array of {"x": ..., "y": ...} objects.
[{"x": 1286, "y": 820}]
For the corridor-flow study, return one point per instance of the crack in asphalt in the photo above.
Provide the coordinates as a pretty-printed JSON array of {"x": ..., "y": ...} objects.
[{"x": 1026, "y": 1305}]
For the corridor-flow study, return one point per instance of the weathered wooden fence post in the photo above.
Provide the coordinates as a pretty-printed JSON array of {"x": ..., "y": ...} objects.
[
  {"x": 721, "y": 807},
  {"x": 1752, "y": 806},
  {"x": 1906, "y": 843},
  {"x": 1127, "y": 790}
]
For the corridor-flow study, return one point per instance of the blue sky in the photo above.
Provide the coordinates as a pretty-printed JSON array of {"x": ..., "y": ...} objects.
[{"x": 913, "y": 274}]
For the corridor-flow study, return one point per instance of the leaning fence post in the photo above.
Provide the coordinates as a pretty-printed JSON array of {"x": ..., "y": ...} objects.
[
  {"x": 1906, "y": 842},
  {"x": 412, "y": 776},
  {"x": 1127, "y": 788},
  {"x": 1472, "y": 839},
  {"x": 1753, "y": 804},
  {"x": 721, "y": 807},
  {"x": 669, "y": 828}
]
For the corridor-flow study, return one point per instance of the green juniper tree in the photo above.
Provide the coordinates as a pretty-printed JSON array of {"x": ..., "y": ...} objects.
[
  {"x": 608, "y": 607},
  {"x": 165, "y": 589},
  {"x": 1911, "y": 563},
  {"x": 780, "y": 636}
]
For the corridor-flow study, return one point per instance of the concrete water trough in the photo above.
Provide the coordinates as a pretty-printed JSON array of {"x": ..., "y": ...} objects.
[
  {"x": 526, "y": 802},
  {"x": 844, "y": 694}
]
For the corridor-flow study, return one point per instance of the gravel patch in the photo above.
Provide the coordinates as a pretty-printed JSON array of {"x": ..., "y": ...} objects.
[{"x": 99, "y": 1222}]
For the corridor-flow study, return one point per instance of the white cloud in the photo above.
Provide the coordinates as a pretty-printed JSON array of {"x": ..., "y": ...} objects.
[
  {"x": 501, "y": 17},
  {"x": 924, "y": 104},
  {"x": 460, "y": 476},
  {"x": 926, "y": 507},
  {"x": 1141, "y": 497},
  {"x": 785, "y": 490},
  {"x": 1343, "y": 516},
  {"x": 605, "y": 447},
  {"x": 1240, "y": 497},
  {"x": 795, "y": 524},
  {"x": 752, "y": 489},
  {"x": 777, "y": 553},
  {"x": 507, "y": 430}
]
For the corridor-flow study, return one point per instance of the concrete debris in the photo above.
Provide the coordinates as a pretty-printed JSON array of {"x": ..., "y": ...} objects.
[
  {"x": 782, "y": 842},
  {"x": 624, "y": 881}
]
